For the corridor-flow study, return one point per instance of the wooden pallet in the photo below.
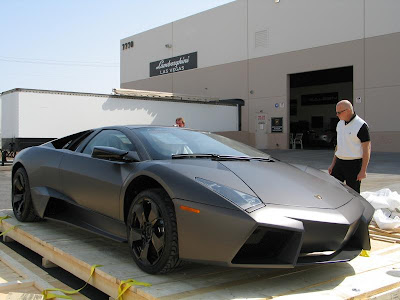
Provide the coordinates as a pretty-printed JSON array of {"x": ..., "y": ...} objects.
[
  {"x": 76, "y": 251},
  {"x": 22, "y": 280},
  {"x": 390, "y": 236},
  {"x": 16, "y": 278}
]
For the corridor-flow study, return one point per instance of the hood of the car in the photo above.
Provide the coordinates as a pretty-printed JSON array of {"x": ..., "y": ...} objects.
[
  {"x": 282, "y": 184},
  {"x": 177, "y": 172}
]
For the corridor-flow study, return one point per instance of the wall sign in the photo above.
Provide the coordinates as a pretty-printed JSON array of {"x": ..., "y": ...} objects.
[
  {"x": 276, "y": 125},
  {"x": 173, "y": 64},
  {"x": 318, "y": 99},
  {"x": 261, "y": 122}
]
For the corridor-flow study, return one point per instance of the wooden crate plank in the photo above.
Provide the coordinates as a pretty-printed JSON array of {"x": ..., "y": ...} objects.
[
  {"x": 15, "y": 285},
  {"x": 48, "y": 264},
  {"x": 27, "y": 275},
  {"x": 330, "y": 282},
  {"x": 24, "y": 296},
  {"x": 7, "y": 274},
  {"x": 79, "y": 268},
  {"x": 194, "y": 281}
]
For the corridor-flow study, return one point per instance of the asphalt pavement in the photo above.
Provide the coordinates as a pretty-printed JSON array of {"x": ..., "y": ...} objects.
[
  {"x": 383, "y": 169},
  {"x": 5, "y": 187}
]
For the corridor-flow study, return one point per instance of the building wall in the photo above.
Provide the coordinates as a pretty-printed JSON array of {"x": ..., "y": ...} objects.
[
  {"x": 218, "y": 35},
  {"x": 297, "y": 25},
  {"x": 381, "y": 17},
  {"x": 248, "y": 49},
  {"x": 382, "y": 73},
  {"x": 217, "y": 41},
  {"x": 148, "y": 46}
]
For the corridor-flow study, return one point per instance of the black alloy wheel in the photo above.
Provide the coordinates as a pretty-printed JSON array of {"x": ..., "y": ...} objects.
[
  {"x": 152, "y": 232},
  {"x": 21, "y": 197}
]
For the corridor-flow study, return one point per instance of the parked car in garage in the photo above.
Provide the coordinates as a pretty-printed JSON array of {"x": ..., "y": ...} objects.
[{"x": 322, "y": 138}]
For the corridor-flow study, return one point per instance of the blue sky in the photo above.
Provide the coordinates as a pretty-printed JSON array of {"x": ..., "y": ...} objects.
[{"x": 73, "y": 45}]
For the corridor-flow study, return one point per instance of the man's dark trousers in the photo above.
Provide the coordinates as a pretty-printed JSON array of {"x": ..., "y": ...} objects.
[{"x": 347, "y": 170}]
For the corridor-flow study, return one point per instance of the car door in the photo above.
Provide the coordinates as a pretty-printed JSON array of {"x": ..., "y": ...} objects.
[{"x": 96, "y": 183}]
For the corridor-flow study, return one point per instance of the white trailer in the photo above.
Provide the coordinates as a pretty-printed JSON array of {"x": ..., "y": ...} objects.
[{"x": 30, "y": 117}]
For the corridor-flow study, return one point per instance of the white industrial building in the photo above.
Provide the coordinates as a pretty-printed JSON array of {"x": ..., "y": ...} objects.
[
  {"x": 31, "y": 117},
  {"x": 290, "y": 61}
]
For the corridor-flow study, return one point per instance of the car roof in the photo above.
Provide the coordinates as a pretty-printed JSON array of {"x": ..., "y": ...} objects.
[
  {"x": 147, "y": 126},
  {"x": 132, "y": 126},
  {"x": 144, "y": 126}
]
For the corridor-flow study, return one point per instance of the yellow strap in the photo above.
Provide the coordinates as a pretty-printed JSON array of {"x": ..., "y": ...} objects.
[
  {"x": 48, "y": 295},
  {"x": 5, "y": 217},
  {"x": 52, "y": 296},
  {"x": 128, "y": 283},
  {"x": 9, "y": 229},
  {"x": 364, "y": 253}
]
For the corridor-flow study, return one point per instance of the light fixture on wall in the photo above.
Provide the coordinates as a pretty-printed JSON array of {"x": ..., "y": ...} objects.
[
  {"x": 168, "y": 46},
  {"x": 277, "y": 1}
]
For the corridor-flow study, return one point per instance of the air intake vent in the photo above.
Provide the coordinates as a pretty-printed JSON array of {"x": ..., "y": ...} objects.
[
  {"x": 269, "y": 246},
  {"x": 261, "y": 38}
]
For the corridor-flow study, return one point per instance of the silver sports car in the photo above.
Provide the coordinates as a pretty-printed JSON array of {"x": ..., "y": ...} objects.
[{"x": 176, "y": 194}]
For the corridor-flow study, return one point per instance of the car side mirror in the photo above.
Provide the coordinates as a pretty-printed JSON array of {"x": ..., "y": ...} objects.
[
  {"x": 132, "y": 156},
  {"x": 111, "y": 153}
]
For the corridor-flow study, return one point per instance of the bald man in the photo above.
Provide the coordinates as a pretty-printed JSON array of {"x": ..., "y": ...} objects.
[{"x": 353, "y": 148}]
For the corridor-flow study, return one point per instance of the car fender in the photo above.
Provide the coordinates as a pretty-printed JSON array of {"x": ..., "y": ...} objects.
[
  {"x": 181, "y": 185},
  {"x": 41, "y": 165}
]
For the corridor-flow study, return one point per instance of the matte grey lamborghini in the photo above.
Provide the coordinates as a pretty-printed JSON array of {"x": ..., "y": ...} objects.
[{"x": 176, "y": 194}]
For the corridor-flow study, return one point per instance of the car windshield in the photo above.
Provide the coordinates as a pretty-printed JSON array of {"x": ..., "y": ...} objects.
[{"x": 163, "y": 143}]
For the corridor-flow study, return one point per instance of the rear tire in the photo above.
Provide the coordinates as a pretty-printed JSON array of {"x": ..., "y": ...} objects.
[
  {"x": 21, "y": 199},
  {"x": 152, "y": 232}
]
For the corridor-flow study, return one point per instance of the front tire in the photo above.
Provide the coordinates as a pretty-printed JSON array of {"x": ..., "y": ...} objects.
[
  {"x": 21, "y": 199},
  {"x": 152, "y": 232}
]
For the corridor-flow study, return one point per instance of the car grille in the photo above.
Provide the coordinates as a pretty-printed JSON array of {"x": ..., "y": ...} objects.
[
  {"x": 318, "y": 243},
  {"x": 269, "y": 246}
]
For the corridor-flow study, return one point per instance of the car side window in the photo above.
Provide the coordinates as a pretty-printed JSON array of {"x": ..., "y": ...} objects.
[{"x": 110, "y": 138}]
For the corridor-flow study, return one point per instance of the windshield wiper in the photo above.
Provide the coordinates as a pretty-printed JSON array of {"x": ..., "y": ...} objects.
[
  {"x": 262, "y": 159},
  {"x": 219, "y": 157}
]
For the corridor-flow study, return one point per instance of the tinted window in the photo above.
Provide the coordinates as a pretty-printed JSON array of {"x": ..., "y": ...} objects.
[
  {"x": 110, "y": 138},
  {"x": 162, "y": 143},
  {"x": 72, "y": 141}
]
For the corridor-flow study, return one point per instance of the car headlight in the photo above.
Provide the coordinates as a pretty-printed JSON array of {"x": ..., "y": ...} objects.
[{"x": 243, "y": 200}]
